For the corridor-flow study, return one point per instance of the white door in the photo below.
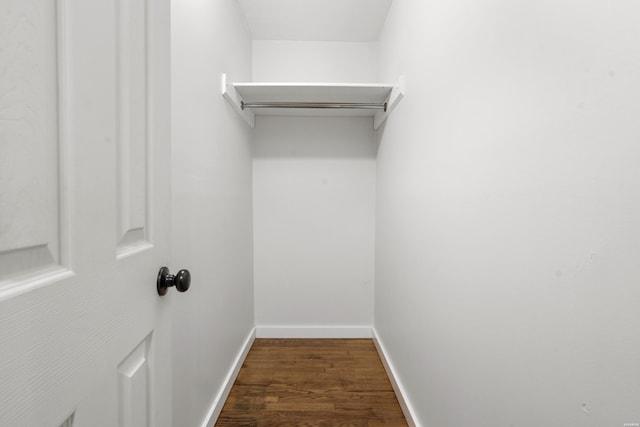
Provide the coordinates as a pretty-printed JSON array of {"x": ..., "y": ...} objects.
[{"x": 84, "y": 213}]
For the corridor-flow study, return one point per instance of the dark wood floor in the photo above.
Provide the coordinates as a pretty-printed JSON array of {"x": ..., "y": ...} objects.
[{"x": 312, "y": 383}]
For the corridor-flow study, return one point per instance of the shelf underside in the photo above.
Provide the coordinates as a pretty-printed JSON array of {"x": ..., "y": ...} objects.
[
  {"x": 314, "y": 93},
  {"x": 346, "y": 100}
]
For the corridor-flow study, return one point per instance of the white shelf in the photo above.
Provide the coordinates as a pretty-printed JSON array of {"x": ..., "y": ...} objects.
[{"x": 239, "y": 94}]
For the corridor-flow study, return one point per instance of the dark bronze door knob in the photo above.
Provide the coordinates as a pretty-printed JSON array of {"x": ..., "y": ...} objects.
[{"x": 181, "y": 281}]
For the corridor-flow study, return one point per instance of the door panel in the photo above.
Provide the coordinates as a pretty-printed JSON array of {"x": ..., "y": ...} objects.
[
  {"x": 84, "y": 213},
  {"x": 30, "y": 203},
  {"x": 134, "y": 388},
  {"x": 132, "y": 124}
]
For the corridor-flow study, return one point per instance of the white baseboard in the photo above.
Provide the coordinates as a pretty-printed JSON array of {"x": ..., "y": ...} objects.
[
  {"x": 405, "y": 404},
  {"x": 313, "y": 332},
  {"x": 218, "y": 402}
]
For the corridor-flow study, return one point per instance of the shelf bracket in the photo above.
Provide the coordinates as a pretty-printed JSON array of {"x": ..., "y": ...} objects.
[
  {"x": 230, "y": 93},
  {"x": 396, "y": 95}
]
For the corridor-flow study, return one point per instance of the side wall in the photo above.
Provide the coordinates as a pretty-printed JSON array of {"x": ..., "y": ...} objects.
[
  {"x": 508, "y": 212},
  {"x": 314, "y": 201},
  {"x": 212, "y": 205}
]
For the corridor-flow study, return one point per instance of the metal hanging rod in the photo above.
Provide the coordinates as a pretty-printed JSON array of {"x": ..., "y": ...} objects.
[{"x": 338, "y": 105}]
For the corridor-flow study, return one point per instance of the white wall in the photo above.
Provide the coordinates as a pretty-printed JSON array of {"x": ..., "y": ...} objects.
[
  {"x": 212, "y": 223},
  {"x": 314, "y": 202},
  {"x": 508, "y": 212},
  {"x": 307, "y": 61},
  {"x": 314, "y": 199}
]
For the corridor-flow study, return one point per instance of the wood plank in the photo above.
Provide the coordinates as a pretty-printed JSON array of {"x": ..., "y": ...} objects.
[{"x": 311, "y": 382}]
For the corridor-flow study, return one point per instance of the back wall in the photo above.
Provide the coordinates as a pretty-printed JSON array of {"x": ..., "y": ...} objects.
[{"x": 313, "y": 213}]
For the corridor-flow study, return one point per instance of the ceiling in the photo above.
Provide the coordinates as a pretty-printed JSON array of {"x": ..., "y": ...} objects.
[{"x": 315, "y": 20}]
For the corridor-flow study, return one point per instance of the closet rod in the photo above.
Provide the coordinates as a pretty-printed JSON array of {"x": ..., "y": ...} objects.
[{"x": 339, "y": 105}]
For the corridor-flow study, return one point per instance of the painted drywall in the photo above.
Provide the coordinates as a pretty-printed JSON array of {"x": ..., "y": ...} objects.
[
  {"x": 312, "y": 20},
  {"x": 508, "y": 212},
  {"x": 212, "y": 204},
  {"x": 309, "y": 61},
  {"x": 314, "y": 202},
  {"x": 314, "y": 199}
]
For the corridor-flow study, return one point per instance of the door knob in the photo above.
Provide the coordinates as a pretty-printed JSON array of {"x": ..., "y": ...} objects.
[{"x": 181, "y": 281}]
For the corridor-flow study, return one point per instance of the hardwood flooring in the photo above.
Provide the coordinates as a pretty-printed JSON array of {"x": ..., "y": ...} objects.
[{"x": 312, "y": 382}]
